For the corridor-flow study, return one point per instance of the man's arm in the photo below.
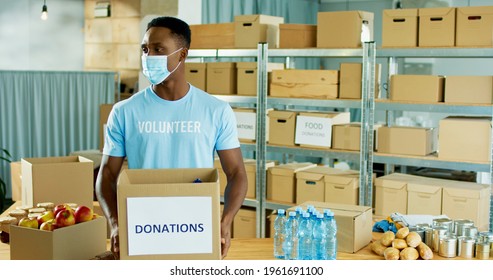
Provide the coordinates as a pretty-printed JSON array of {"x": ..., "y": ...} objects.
[
  {"x": 234, "y": 195},
  {"x": 106, "y": 194}
]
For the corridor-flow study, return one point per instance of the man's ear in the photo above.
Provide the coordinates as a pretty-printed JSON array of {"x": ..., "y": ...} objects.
[{"x": 184, "y": 54}]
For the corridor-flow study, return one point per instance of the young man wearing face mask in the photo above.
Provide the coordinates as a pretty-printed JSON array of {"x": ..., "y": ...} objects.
[{"x": 170, "y": 124}]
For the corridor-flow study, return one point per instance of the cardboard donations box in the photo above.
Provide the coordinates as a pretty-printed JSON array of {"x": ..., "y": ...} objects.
[
  {"x": 345, "y": 29},
  {"x": 165, "y": 214},
  {"x": 315, "y": 129},
  {"x": 81, "y": 241},
  {"x": 403, "y": 140},
  {"x": 469, "y": 89},
  {"x": 417, "y": 88},
  {"x": 391, "y": 193},
  {"x": 282, "y": 127},
  {"x": 400, "y": 28},
  {"x": 305, "y": 34},
  {"x": 195, "y": 73},
  {"x": 437, "y": 27},
  {"x": 354, "y": 224},
  {"x": 297, "y": 83},
  {"x": 281, "y": 181},
  {"x": 474, "y": 27},
  {"x": 252, "y": 29},
  {"x": 213, "y": 36},
  {"x": 58, "y": 180}
]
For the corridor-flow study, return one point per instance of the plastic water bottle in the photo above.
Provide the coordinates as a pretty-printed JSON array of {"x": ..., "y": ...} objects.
[
  {"x": 305, "y": 232},
  {"x": 291, "y": 241},
  {"x": 331, "y": 236},
  {"x": 319, "y": 244},
  {"x": 279, "y": 233}
]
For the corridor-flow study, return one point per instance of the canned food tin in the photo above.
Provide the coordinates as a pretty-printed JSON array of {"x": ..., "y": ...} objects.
[
  {"x": 437, "y": 233},
  {"x": 444, "y": 222},
  {"x": 482, "y": 251},
  {"x": 471, "y": 232},
  {"x": 448, "y": 246},
  {"x": 466, "y": 247},
  {"x": 460, "y": 225},
  {"x": 429, "y": 237}
]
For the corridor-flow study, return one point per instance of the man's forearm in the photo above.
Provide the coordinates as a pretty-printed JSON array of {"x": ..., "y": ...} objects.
[
  {"x": 106, "y": 194},
  {"x": 234, "y": 195}
]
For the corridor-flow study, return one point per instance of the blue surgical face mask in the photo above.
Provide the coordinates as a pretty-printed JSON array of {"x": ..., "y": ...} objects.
[{"x": 155, "y": 67}]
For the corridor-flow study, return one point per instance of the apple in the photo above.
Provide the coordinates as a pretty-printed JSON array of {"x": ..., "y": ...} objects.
[
  {"x": 83, "y": 214},
  {"x": 59, "y": 208},
  {"x": 46, "y": 216},
  {"x": 48, "y": 225},
  {"x": 95, "y": 216},
  {"x": 65, "y": 218},
  {"x": 29, "y": 222}
]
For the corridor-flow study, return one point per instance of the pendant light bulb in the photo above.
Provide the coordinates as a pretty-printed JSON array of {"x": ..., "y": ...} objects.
[{"x": 44, "y": 12}]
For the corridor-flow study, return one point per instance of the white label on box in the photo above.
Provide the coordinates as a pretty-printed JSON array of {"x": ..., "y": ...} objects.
[
  {"x": 169, "y": 225},
  {"x": 313, "y": 131},
  {"x": 246, "y": 123}
]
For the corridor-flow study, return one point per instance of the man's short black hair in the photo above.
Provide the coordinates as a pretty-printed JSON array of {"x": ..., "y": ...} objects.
[{"x": 179, "y": 28}]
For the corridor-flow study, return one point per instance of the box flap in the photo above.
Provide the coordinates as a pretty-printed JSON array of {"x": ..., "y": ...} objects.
[
  {"x": 473, "y": 190},
  {"x": 195, "y": 65},
  {"x": 290, "y": 168},
  {"x": 283, "y": 115},
  {"x": 437, "y": 12},
  {"x": 466, "y": 119},
  {"x": 221, "y": 65},
  {"x": 475, "y": 11},
  {"x": 307, "y": 176},
  {"x": 343, "y": 179},
  {"x": 396, "y": 13},
  {"x": 247, "y": 18},
  {"x": 167, "y": 176},
  {"x": 343, "y": 209},
  {"x": 393, "y": 181},
  {"x": 295, "y": 26},
  {"x": 423, "y": 187},
  {"x": 365, "y": 15},
  {"x": 246, "y": 65},
  {"x": 328, "y": 115}
]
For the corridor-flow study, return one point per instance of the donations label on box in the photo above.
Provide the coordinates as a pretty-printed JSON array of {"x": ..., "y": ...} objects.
[
  {"x": 246, "y": 124},
  {"x": 182, "y": 225},
  {"x": 313, "y": 131}
]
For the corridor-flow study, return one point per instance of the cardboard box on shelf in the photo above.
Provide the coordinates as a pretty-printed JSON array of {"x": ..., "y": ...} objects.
[
  {"x": 251, "y": 171},
  {"x": 305, "y": 34},
  {"x": 350, "y": 80},
  {"x": 343, "y": 188},
  {"x": 104, "y": 113},
  {"x": 16, "y": 180},
  {"x": 436, "y": 27},
  {"x": 221, "y": 78},
  {"x": 467, "y": 200},
  {"x": 417, "y": 88},
  {"x": 194, "y": 206},
  {"x": 81, "y": 241},
  {"x": 281, "y": 181},
  {"x": 391, "y": 193},
  {"x": 315, "y": 129},
  {"x": 213, "y": 36},
  {"x": 465, "y": 139},
  {"x": 252, "y": 29},
  {"x": 296, "y": 83},
  {"x": 57, "y": 179},
  {"x": 245, "y": 224},
  {"x": 246, "y": 123},
  {"x": 400, "y": 28},
  {"x": 424, "y": 197},
  {"x": 348, "y": 136},
  {"x": 469, "y": 89},
  {"x": 282, "y": 127},
  {"x": 402, "y": 140},
  {"x": 310, "y": 183},
  {"x": 195, "y": 74},
  {"x": 474, "y": 26},
  {"x": 354, "y": 224},
  {"x": 247, "y": 76},
  {"x": 345, "y": 29}
]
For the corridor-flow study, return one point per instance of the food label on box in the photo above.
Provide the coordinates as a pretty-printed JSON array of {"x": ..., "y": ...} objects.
[
  {"x": 246, "y": 125},
  {"x": 169, "y": 225},
  {"x": 313, "y": 131}
]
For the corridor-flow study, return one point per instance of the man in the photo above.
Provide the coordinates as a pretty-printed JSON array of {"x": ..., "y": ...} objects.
[{"x": 170, "y": 124}]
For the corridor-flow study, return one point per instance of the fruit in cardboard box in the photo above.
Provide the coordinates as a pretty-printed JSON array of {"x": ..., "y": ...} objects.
[
  {"x": 59, "y": 208},
  {"x": 29, "y": 222},
  {"x": 83, "y": 214},
  {"x": 48, "y": 225},
  {"x": 65, "y": 218},
  {"x": 46, "y": 216}
]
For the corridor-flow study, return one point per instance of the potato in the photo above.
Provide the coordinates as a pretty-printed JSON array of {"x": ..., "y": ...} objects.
[
  {"x": 399, "y": 243},
  {"x": 413, "y": 239},
  {"x": 425, "y": 252},
  {"x": 391, "y": 253},
  {"x": 402, "y": 233},
  {"x": 378, "y": 248},
  {"x": 387, "y": 238},
  {"x": 409, "y": 253}
]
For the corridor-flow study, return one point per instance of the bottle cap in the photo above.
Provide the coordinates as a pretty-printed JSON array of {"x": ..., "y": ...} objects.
[
  {"x": 320, "y": 216},
  {"x": 281, "y": 211},
  {"x": 292, "y": 214},
  {"x": 306, "y": 215}
]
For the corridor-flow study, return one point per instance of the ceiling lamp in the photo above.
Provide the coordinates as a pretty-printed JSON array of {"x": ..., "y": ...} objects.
[{"x": 44, "y": 12}]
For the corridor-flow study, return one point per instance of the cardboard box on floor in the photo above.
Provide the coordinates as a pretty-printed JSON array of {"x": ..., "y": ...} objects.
[
  {"x": 195, "y": 74},
  {"x": 350, "y": 80},
  {"x": 104, "y": 113},
  {"x": 354, "y": 224},
  {"x": 58, "y": 180},
  {"x": 252, "y": 29},
  {"x": 465, "y": 139},
  {"x": 282, "y": 127},
  {"x": 221, "y": 78},
  {"x": 436, "y": 27},
  {"x": 188, "y": 214},
  {"x": 281, "y": 181},
  {"x": 245, "y": 224},
  {"x": 314, "y": 129},
  {"x": 417, "y": 88},
  {"x": 296, "y": 83},
  {"x": 469, "y": 89},
  {"x": 474, "y": 26},
  {"x": 247, "y": 76},
  {"x": 77, "y": 242},
  {"x": 305, "y": 34},
  {"x": 346, "y": 29},
  {"x": 213, "y": 36},
  {"x": 400, "y": 28},
  {"x": 16, "y": 180},
  {"x": 402, "y": 140}
]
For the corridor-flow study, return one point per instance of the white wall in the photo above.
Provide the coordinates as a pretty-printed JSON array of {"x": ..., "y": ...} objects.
[{"x": 29, "y": 43}]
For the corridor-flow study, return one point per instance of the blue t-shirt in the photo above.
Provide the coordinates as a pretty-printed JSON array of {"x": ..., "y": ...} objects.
[{"x": 156, "y": 133}]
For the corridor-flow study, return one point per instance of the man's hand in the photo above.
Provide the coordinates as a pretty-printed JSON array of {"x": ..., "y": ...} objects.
[
  {"x": 115, "y": 243},
  {"x": 225, "y": 239}
]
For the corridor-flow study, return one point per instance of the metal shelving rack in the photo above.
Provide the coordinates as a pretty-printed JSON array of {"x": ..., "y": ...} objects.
[{"x": 459, "y": 109}]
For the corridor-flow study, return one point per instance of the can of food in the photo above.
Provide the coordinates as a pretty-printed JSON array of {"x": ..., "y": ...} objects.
[
  {"x": 482, "y": 251},
  {"x": 49, "y": 206},
  {"x": 471, "y": 232},
  {"x": 448, "y": 246},
  {"x": 429, "y": 237},
  {"x": 444, "y": 222},
  {"x": 437, "y": 233},
  {"x": 466, "y": 247},
  {"x": 460, "y": 225}
]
